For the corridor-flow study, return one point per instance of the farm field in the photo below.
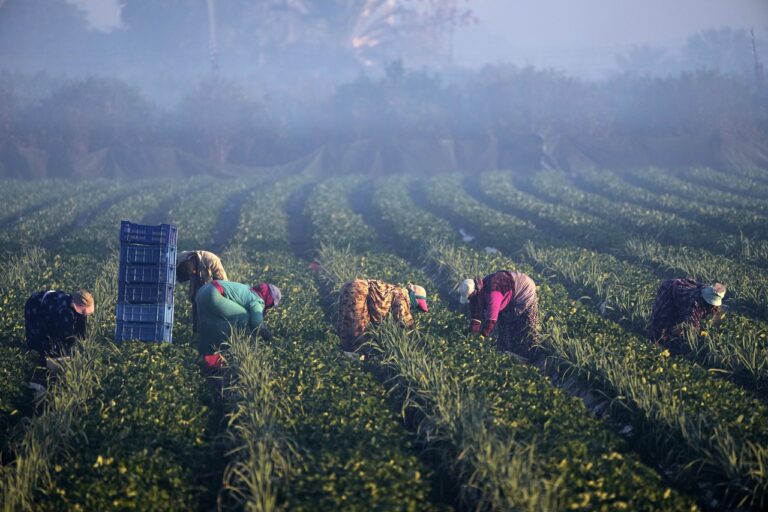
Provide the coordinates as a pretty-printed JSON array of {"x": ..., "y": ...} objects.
[{"x": 426, "y": 419}]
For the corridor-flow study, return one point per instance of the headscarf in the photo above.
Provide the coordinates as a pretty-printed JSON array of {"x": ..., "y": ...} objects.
[
  {"x": 269, "y": 293},
  {"x": 713, "y": 294},
  {"x": 466, "y": 288},
  {"x": 418, "y": 295}
]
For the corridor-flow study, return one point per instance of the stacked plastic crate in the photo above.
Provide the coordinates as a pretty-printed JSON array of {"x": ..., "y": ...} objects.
[{"x": 146, "y": 281}]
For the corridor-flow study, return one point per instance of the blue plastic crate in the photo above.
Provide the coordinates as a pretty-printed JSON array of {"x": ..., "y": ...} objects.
[
  {"x": 164, "y": 234},
  {"x": 132, "y": 293},
  {"x": 150, "y": 274},
  {"x": 153, "y": 313},
  {"x": 132, "y": 254},
  {"x": 143, "y": 331}
]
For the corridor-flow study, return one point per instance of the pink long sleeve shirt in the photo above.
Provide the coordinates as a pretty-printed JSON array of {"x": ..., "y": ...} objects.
[{"x": 501, "y": 290}]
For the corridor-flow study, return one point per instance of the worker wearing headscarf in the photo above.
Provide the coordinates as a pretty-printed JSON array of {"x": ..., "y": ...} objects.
[
  {"x": 53, "y": 320},
  {"x": 368, "y": 301},
  {"x": 199, "y": 268},
  {"x": 682, "y": 302},
  {"x": 506, "y": 301},
  {"x": 224, "y": 305}
]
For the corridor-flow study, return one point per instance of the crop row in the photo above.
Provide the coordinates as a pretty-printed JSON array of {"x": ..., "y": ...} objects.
[
  {"x": 336, "y": 443},
  {"x": 749, "y": 182},
  {"x": 19, "y": 198},
  {"x": 732, "y": 219},
  {"x": 101, "y": 235},
  {"x": 625, "y": 291},
  {"x": 748, "y": 285},
  {"x": 639, "y": 220},
  {"x": 512, "y": 439},
  {"x": 715, "y": 193},
  {"x": 38, "y": 227},
  {"x": 585, "y": 226},
  {"x": 735, "y": 233},
  {"x": 683, "y": 418},
  {"x": 142, "y": 429},
  {"x": 196, "y": 213}
]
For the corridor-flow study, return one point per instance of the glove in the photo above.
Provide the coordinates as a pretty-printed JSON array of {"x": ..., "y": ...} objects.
[
  {"x": 265, "y": 333},
  {"x": 474, "y": 326},
  {"x": 489, "y": 325}
]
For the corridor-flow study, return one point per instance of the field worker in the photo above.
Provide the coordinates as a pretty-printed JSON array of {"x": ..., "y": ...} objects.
[
  {"x": 223, "y": 305},
  {"x": 368, "y": 301},
  {"x": 199, "y": 268},
  {"x": 507, "y": 299},
  {"x": 54, "y": 319},
  {"x": 679, "y": 302}
]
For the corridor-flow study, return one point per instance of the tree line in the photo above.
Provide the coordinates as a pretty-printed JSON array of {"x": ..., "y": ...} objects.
[{"x": 226, "y": 121}]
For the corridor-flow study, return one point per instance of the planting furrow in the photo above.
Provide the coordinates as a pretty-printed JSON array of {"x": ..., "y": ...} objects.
[
  {"x": 687, "y": 420},
  {"x": 33, "y": 452},
  {"x": 42, "y": 224},
  {"x": 341, "y": 446},
  {"x": 731, "y": 219},
  {"x": 484, "y": 413},
  {"x": 100, "y": 236},
  {"x": 747, "y": 285},
  {"x": 624, "y": 291},
  {"x": 19, "y": 199},
  {"x": 669, "y": 228},
  {"x": 196, "y": 213},
  {"x": 734, "y": 183}
]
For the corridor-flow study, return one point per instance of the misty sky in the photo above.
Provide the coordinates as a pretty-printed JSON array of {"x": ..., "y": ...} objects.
[{"x": 580, "y": 36}]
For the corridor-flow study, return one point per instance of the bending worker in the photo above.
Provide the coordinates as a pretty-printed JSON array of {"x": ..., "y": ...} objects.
[
  {"x": 224, "y": 305},
  {"x": 54, "y": 320},
  {"x": 368, "y": 301},
  {"x": 506, "y": 300},
  {"x": 199, "y": 268},
  {"x": 681, "y": 302}
]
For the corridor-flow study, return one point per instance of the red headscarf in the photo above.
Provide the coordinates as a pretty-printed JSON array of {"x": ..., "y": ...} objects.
[{"x": 262, "y": 290}]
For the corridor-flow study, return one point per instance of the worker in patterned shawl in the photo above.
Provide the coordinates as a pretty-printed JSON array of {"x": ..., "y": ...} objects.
[
  {"x": 224, "y": 305},
  {"x": 368, "y": 301},
  {"x": 680, "y": 303},
  {"x": 199, "y": 268},
  {"x": 506, "y": 301},
  {"x": 54, "y": 319}
]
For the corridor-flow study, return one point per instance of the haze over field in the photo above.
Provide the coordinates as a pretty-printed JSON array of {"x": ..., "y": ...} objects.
[{"x": 381, "y": 86}]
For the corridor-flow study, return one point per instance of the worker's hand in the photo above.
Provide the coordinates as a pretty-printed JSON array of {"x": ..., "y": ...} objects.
[
  {"x": 265, "y": 333},
  {"x": 474, "y": 327},
  {"x": 489, "y": 325}
]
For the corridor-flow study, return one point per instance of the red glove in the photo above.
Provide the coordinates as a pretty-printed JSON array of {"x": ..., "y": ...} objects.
[
  {"x": 489, "y": 325},
  {"x": 474, "y": 326}
]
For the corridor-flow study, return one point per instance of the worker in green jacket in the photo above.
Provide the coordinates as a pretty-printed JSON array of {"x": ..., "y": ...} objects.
[{"x": 226, "y": 305}]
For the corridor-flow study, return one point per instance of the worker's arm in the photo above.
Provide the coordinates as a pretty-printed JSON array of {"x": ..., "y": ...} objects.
[
  {"x": 494, "y": 306},
  {"x": 255, "y": 307},
  {"x": 255, "y": 310},
  {"x": 81, "y": 323},
  {"x": 476, "y": 305},
  {"x": 217, "y": 269}
]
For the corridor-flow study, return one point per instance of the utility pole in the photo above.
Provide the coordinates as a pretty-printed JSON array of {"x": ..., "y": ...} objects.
[
  {"x": 758, "y": 65},
  {"x": 213, "y": 45}
]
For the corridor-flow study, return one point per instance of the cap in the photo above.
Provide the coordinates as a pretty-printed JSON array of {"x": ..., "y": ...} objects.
[{"x": 466, "y": 288}]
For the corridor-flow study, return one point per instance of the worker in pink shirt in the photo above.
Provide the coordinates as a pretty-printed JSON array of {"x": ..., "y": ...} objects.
[{"x": 506, "y": 301}]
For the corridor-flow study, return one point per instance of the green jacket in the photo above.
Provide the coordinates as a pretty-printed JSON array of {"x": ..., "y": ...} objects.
[{"x": 249, "y": 300}]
